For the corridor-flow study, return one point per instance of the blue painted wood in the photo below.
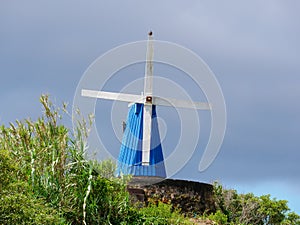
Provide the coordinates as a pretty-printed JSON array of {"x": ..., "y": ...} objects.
[{"x": 130, "y": 157}]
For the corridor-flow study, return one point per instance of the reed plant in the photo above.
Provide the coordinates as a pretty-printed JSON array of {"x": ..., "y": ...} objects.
[
  {"x": 48, "y": 163},
  {"x": 45, "y": 177}
]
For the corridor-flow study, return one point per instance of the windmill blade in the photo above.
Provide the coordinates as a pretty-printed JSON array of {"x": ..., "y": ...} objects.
[
  {"x": 112, "y": 96},
  {"x": 180, "y": 103},
  {"x": 147, "y": 125},
  {"x": 148, "y": 81},
  {"x": 147, "y": 112}
]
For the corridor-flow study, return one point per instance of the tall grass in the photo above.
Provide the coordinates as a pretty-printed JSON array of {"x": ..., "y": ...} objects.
[
  {"x": 50, "y": 160},
  {"x": 46, "y": 179}
]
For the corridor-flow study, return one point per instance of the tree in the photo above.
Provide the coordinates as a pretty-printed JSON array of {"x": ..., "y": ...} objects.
[{"x": 250, "y": 209}]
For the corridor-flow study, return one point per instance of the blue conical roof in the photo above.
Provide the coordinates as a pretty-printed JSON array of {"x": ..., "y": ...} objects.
[{"x": 130, "y": 158}]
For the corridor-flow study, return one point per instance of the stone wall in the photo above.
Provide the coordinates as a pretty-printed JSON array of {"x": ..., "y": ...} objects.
[{"x": 191, "y": 197}]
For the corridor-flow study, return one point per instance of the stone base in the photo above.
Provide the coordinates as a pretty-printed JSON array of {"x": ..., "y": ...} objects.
[{"x": 189, "y": 196}]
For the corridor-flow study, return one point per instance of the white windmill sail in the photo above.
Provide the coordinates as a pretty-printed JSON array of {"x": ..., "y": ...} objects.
[{"x": 147, "y": 113}]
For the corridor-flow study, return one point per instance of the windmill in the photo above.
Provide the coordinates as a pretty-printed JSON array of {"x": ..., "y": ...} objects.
[{"x": 141, "y": 152}]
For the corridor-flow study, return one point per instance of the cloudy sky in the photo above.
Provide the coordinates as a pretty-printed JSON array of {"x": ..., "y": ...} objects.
[{"x": 251, "y": 46}]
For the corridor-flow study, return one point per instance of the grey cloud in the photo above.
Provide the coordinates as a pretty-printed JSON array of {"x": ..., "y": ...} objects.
[{"x": 252, "y": 46}]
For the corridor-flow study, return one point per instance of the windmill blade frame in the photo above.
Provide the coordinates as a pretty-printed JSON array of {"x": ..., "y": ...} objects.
[
  {"x": 113, "y": 96},
  {"x": 147, "y": 112},
  {"x": 180, "y": 103},
  {"x": 147, "y": 129}
]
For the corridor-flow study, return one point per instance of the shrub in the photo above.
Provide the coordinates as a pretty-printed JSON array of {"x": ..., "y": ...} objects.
[
  {"x": 17, "y": 203},
  {"x": 161, "y": 214},
  {"x": 249, "y": 209},
  {"x": 46, "y": 179},
  {"x": 219, "y": 217},
  {"x": 50, "y": 178}
]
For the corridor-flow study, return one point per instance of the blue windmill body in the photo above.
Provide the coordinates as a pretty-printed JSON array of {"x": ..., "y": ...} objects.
[
  {"x": 141, "y": 151},
  {"x": 130, "y": 157}
]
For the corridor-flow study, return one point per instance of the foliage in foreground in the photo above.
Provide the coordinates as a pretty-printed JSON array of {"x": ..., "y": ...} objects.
[
  {"x": 44, "y": 174},
  {"x": 18, "y": 203},
  {"x": 161, "y": 214},
  {"x": 45, "y": 179},
  {"x": 234, "y": 208}
]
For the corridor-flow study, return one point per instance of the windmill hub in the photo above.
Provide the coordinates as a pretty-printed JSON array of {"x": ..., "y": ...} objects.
[{"x": 149, "y": 99}]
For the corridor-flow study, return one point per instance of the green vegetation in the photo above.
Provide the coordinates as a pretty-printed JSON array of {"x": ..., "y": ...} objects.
[
  {"x": 46, "y": 179},
  {"x": 161, "y": 214},
  {"x": 244, "y": 209}
]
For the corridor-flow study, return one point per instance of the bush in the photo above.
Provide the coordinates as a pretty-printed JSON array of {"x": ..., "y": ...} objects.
[
  {"x": 46, "y": 179},
  {"x": 44, "y": 174},
  {"x": 52, "y": 178},
  {"x": 219, "y": 217},
  {"x": 292, "y": 218},
  {"x": 161, "y": 214},
  {"x": 17, "y": 203},
  {"x": 249, "y": 209}
]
